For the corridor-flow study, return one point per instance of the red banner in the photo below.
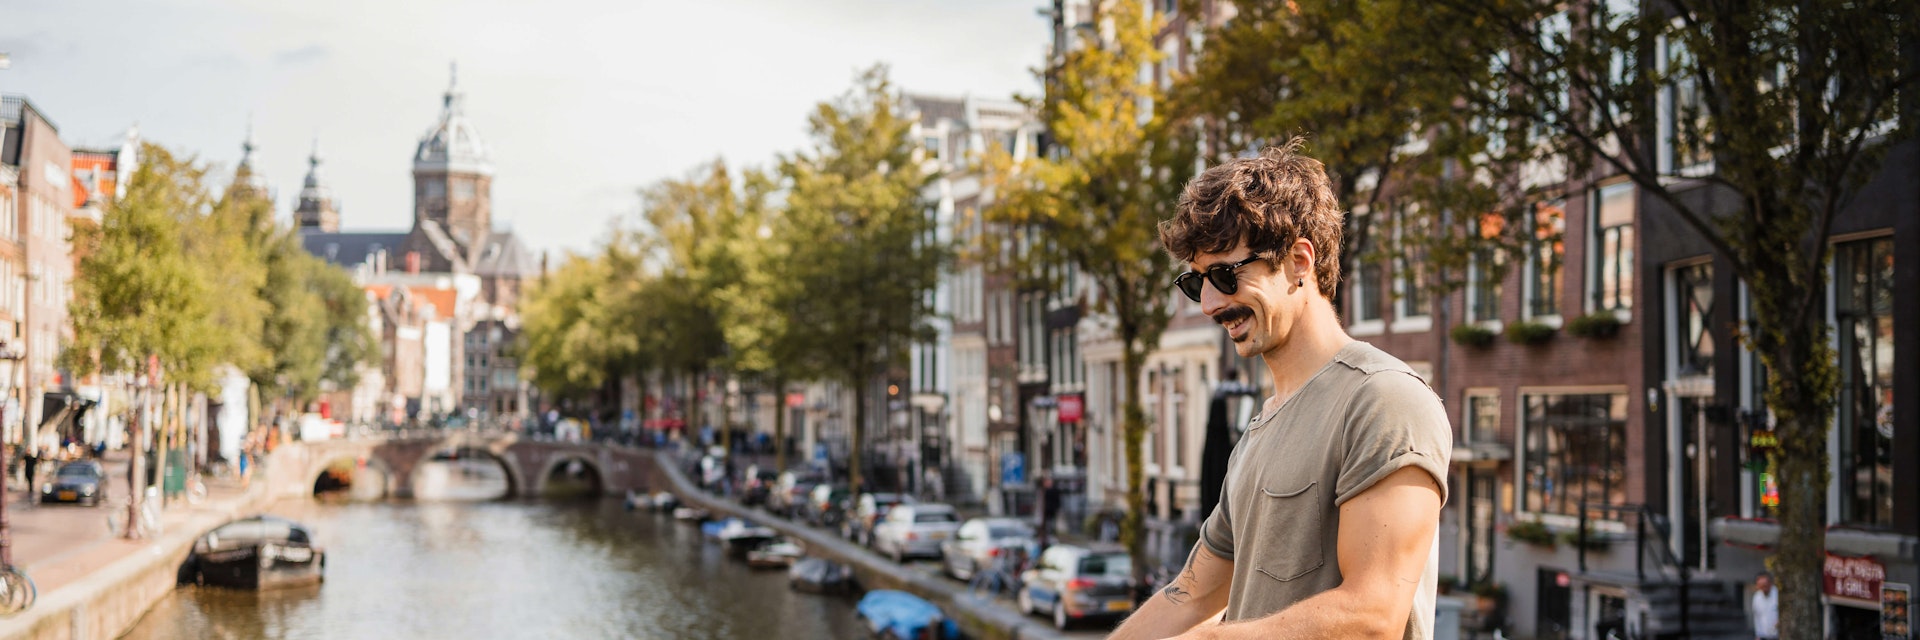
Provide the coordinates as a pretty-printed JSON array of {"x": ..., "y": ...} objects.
[
  {"x": 1854, "y": 578},
  {"x": 796, "y": 399},
  {"x": 1072, "y": 409}
]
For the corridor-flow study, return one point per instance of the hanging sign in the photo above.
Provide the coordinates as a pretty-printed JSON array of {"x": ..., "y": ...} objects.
[
  {"x": 1072, "y": 408},
  {"x": 1853, "y": 578}
]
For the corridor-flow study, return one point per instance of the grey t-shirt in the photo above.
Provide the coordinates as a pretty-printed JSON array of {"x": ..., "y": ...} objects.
[{"x": 1362, "y": 417}]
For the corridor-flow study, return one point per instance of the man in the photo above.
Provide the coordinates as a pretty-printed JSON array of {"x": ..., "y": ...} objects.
[
  {"x": 1325, "y": 526},
  {"x": 1766, "y": 608}
]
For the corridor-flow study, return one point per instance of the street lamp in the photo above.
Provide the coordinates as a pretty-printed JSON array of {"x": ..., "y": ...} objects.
[{"x": 9, "y": 357}]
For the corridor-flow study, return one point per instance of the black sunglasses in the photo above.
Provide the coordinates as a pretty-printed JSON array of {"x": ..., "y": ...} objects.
[{"x": 1222, "y": 276}]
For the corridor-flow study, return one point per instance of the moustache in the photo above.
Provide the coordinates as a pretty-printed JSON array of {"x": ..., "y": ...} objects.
[{"x": 1232, "y": 315}]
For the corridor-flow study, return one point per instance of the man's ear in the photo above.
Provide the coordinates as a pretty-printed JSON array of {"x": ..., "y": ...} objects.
[{"x": 1300, "y": 259}]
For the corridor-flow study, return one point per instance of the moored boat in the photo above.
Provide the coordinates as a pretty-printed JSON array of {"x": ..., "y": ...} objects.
[
  {"x": 261, "y": 552},
  {"x": 778, "y": 554}
]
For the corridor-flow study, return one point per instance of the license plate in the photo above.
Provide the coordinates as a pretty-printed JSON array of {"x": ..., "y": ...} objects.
[
  {"x": 1119, "y": 605},
  {"x": 938, "y": 535},
  {"x": 67, "y": 495}
]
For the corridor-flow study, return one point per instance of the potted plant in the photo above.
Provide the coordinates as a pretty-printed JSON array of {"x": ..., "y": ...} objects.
[
  {"x": 1527, "y": 332},
  {"x": 1597, "y": 325},
  {"x": 1472, "y": 335},
  {"x": 1533, "y": 532},
  {"x": 1596, "y": 540}
]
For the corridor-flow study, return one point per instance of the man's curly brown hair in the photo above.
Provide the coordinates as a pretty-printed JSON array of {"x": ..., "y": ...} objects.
[{"x": 1268, "y": 201}]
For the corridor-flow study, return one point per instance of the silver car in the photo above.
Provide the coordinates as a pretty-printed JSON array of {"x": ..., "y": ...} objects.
[
  {"x": 979, "y": 543},
  {"x": 914, "y": 530}
]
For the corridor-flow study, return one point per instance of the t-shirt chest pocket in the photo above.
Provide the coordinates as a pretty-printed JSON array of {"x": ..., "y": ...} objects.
[{"x": 1289, "y": 514}]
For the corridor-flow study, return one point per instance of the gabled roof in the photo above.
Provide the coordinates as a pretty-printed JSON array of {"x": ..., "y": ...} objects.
[
  {"x": 504, "y": 256},
  {"x": 351, "y": 249}
]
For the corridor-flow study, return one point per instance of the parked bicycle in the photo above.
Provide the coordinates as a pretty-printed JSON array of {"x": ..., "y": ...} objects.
[
  {"x": 17, "y": 592},
  {"x": 148, "y": 519}
]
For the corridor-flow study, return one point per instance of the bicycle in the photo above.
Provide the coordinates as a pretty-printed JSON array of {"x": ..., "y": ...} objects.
[
  {"x": 17, "y": 592},
  {"x": 148, "y": 524}
]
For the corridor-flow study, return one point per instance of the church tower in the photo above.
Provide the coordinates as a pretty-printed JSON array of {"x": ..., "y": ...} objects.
[
  {"x": 316, "y": 212},
  {"x": 249, "y": 175},
  {"x": 453, "y": 181}
]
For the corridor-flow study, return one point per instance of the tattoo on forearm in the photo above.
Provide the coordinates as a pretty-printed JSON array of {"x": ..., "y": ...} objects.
[{"x": 1174, "y": 592}]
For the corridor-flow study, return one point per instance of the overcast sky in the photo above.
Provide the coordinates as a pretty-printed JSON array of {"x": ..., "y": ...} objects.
[{"x": 583, "y": 102}]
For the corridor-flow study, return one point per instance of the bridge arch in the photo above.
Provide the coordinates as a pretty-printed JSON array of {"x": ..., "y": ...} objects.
[
  {"x": 357, "y": 463},
  {"x": 561, "y": 461}
]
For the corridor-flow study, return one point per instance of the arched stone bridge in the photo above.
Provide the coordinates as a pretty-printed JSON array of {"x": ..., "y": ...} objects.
[{"x": 528, "y": 463}]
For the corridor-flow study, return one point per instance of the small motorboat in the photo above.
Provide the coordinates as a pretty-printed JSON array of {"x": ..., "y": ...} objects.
[
  {"x": 664, "y": 501},
  {"x": 820, "y": 575},
  {"x": 738, "y": 535},
  {"x": 637, "y": 500},
  {"x": 261, "y": 552},
  {"x": 778, "y": 554},
  {"x": 898, "y": 614},
  {"x": 690, "y": 514}
]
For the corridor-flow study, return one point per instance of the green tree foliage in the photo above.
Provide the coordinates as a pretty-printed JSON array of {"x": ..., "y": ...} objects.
[
  {"x": 1776, "y": 113},
  {"x": 138, "y": 292},
  {"x": 1095, "y": 204},
  {"x": 571, "y": 332},
  {"x": 856, "y": 244}
]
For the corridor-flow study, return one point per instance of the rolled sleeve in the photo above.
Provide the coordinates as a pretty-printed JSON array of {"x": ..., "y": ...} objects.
[{"x": 1395, "y": 422}]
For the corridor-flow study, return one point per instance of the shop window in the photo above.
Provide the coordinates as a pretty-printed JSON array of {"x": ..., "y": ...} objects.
[
  {"x": 1574, "y": 451},
  {"x": 1863, "y": 314}
]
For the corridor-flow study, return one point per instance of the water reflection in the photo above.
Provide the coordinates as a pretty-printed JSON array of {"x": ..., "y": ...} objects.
[
  {"x": 465, "y": 478},
  {"x": 553, "y": 569}
]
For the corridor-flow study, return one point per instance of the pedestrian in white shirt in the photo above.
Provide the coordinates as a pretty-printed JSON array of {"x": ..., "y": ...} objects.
[{"x": 1766, "y": 608}]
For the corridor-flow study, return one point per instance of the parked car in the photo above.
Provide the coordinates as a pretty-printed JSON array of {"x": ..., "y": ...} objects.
[
  {"x": 80, "y": 481},
  {"x": 827, "y": 505},
  {"x": 914, "y": 530},
  {"x": 980, "y": 541},
  {"x": 1076, "y": 583},
  {"x": 872, "y": 507}
]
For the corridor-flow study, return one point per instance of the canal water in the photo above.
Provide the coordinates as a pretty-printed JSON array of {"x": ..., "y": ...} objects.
[{"x": 467, "y": 569}]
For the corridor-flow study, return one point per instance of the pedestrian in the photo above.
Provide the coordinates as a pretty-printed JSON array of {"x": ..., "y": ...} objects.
[
  {"x": 30, "y": 464},
  {"x": 1766, "y": 608},
  {"x": 1326, "y": 523}
]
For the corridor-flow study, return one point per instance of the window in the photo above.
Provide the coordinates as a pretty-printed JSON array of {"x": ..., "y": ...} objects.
[
  {"x": 436, "y": 190},
  {"x": 1863, "y": 314},
  {"x": 1409, "y": 270},
  {"x": 1485, "y": 270},
  {"x": 1693, "y": 330},
  {"x": 1366, "y": 286},
  {"x": 1575, "y": 451},
  {"x": 932, "y": 143},
  {"x": 463, "y": 190},
  {"x": 1687, "y": 137},
  {"x": 1544, "y": 250},
  {"x": 1483, "y": 416},
  {"x": 1610, "y": 271}
]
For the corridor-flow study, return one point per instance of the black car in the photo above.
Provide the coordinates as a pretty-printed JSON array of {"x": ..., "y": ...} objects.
[{"x": 79, "y": 481}]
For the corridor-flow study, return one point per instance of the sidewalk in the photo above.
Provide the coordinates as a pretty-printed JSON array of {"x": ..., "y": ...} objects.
[{"x": 59, "y": 545}]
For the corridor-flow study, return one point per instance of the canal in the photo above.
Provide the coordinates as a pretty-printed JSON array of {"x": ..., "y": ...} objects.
[{"x": 454, "y": 566}]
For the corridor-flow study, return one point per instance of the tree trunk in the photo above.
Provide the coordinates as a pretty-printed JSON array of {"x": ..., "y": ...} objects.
[
  {"x": 780, "y": 424},
  {"x": 726, "y": 418},
  {"x": 1134, "y": 430},
  {"x": 860, "y": 393},
  {"x": 1800, "y": 390},
  {"x": 136, "y": 467}
]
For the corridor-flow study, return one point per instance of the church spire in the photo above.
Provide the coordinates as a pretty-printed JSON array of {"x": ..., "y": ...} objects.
[
  {"x": 247, "y": 172},
  {"x": 316, "y": 211},
  {"x": 452, "y": 98}
]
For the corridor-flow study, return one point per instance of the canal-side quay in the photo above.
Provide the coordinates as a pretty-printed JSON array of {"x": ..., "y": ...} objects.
[
  {"x": 978, "y": 616},
  {"x": 93, "y": 584}
]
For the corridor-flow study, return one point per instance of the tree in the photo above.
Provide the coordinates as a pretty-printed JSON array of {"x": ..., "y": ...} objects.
[
  {"x": 1097, "y": 201},
  {"x": 138, "y": 292},
  {"x": 571, "y": 336},
  {"x": 857, "y": 244},
  {"x": 1780, "y": 112}
]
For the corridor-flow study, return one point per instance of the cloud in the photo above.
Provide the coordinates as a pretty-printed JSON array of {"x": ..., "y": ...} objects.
[{"x": 302, "y": 55}]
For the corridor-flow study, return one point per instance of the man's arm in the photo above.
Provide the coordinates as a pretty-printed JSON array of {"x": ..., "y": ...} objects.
[
  {"x": 1386, "y": 535},
  {"x": 1197, "y": 595}
]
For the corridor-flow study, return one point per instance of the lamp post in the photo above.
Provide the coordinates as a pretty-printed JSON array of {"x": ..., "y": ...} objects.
[{"x": 9, "y": 358}]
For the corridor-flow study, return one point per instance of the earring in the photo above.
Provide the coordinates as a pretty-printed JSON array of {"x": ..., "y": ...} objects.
[{"x": 1299, "y": 282}]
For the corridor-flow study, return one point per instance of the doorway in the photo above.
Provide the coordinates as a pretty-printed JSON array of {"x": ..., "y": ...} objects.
[
  {"x": 1553, "y": 612},
  {"x": 1698, "y": 455},
  {"x": 1480, "y": 515}
]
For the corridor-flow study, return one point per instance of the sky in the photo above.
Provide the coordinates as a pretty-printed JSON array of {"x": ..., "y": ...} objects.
[{"x": 582, "y": 102}]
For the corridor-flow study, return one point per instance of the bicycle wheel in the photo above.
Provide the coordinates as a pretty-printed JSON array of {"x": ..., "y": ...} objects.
[
  {"x": 17, "y": 592},
  {"x": 196, "y": 491}
]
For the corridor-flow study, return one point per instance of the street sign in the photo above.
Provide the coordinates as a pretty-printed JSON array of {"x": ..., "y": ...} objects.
[
  {"x": 1013, "y": 469},
  {"x": 1072, "y": 409}
]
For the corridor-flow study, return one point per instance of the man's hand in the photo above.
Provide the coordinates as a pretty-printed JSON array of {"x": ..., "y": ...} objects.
[{"x": 1197, "y": 595}]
